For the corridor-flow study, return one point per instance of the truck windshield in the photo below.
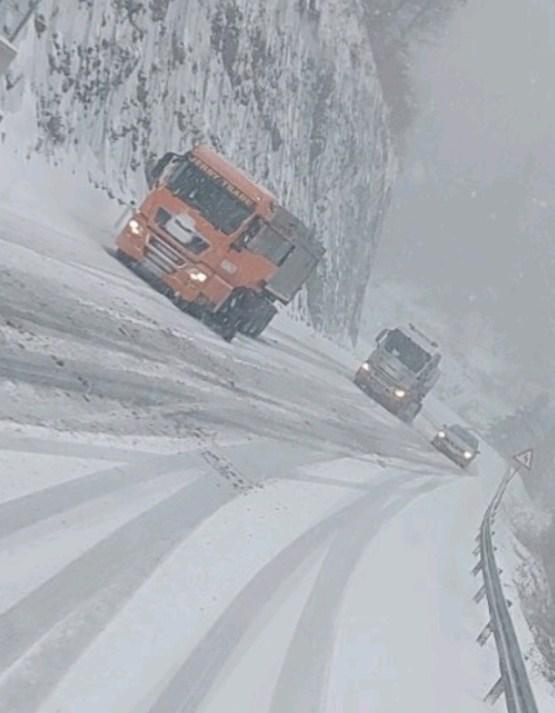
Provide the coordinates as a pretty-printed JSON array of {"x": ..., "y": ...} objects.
[
  {"x": 214, "y": 199},
  {"x": 407, "y": 351}
]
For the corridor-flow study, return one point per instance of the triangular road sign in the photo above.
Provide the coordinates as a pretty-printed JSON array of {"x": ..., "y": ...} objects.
[{"x": 525, "y": 458}]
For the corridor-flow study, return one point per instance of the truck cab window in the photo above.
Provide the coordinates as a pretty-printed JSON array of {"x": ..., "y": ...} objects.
[
  {"x": 407, "y": 351},
  {"x": 271, "y": 245}
]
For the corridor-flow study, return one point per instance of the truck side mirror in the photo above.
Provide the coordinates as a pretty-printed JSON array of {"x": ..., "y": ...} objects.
[
  {"x": 381, "y": 335},
  {"x": 153, "y": 175},
  {"x": 252, "y": 229}
]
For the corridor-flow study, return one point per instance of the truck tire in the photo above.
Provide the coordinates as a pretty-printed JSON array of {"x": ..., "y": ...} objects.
[
  {"x": 122, "y": 257},
  {"x": 257, "y": 313},
  {"x": 230, "y": 315},
  {"x": 228, "y": 332},
  {"x": 245, "y": 311}
]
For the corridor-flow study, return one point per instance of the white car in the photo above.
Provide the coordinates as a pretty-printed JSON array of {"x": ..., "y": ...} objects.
[{"x": 458, "y": 444}]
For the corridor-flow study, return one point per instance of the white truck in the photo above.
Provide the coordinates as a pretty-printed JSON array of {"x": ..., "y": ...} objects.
[{"x": 401, "y": 371}]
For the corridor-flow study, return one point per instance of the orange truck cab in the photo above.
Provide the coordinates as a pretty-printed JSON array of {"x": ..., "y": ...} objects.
[{"x": 217, "y": 243}]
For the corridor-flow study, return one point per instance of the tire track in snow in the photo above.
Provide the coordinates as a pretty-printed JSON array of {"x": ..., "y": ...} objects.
[
  {"x": 195, "y": 678},
  {"x": 76, "y": 449},
  {"x": 301, "y": 686},
  {"x": 88, "y": 592},
  {"x": 29, "y": 509},
  {"x": 309, "y": 355},
  {"x": 49, "y": 320},
  {"x": 88, "y": 380}
]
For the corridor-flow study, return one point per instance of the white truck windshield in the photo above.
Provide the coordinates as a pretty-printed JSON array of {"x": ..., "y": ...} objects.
[{"x": 407, "y": 351}]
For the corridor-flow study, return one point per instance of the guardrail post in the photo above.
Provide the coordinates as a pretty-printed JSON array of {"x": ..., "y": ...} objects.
[
  {"x": 495, "y": 692},
  {"x": 485, "y": 634}
]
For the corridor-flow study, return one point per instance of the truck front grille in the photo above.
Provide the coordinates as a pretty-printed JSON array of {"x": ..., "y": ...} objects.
[
  {"x": 384, "y": 377},
  {"x": 162, "y": 255}
]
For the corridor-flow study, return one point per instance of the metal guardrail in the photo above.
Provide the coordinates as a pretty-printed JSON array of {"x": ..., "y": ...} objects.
[{"x": 514, "y": 680}]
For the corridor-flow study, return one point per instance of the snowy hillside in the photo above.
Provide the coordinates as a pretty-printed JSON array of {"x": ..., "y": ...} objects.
[{"x": 287, "y": 89}]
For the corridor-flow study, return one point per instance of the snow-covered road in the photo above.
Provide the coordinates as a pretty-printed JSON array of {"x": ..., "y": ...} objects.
[{"x": 190, "y": 525}]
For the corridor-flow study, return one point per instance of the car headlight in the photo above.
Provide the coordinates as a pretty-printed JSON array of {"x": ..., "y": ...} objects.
[
  {"x": 468, "y": 455},
  {"x": 366, "y": 366},
  {"x": 441, "y": 434},
  {"x": 135, "y": 227},
  {"x": 400, "y": 393},
  {"x": 197, "y": 275}
]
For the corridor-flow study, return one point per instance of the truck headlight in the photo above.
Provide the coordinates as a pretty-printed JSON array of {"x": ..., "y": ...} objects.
[
  {"x": 399, "y": 393},
  {"x": 135, "y": 227},
  {"x": 468, "y": 455},
  {"x": 441, "y": 434},
  {"x": 197, "y": 275},
  {"x": 366, "y": 366}
]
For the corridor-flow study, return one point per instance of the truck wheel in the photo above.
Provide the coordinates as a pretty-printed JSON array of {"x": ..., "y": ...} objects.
[
  {"x": 257, "y": 313},
  {"x": 123, "y": 258},
  {"x": 228, "y": 332},
  {"x": 230, "y": 315},
  {"x": 256, "y": 325},
  {"x": 248, "y": 327},
  {"x": 246, "y": 312}
]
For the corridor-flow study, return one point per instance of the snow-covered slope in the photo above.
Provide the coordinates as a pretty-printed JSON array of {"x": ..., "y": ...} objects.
[{"x": 287, "y": 89}]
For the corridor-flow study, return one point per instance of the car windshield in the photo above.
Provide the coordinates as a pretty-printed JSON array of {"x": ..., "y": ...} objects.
[
  {"x": 469, "y": 438},
  {"x": 407, "y": 351},
  {"x": 212, "y": 196}
]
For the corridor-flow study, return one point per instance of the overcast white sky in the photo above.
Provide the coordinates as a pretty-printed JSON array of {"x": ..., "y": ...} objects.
[{"x": 473, "y": 217}]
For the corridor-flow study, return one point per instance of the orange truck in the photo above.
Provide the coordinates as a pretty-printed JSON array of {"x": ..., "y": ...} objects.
[{"x": 215, "y": 242}]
